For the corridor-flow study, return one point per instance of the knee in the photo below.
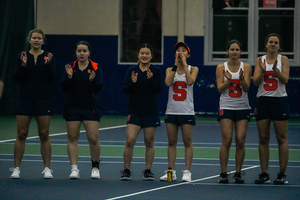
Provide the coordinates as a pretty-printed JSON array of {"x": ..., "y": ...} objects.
[
  {"x": 226, "y": 143},
  {"x": 93, "y": 141},
  {"x": 172, "y": 143},
  {"x": 44, "y": 135},
  {"x": 130, "y": 143},
  {"x": 281, "y": 140},
  {"x": 149, "y": 144},
  {"x": 72, "y": 139},
  {"x": 264, "y": 140},
  {"x": 240, "y": 144},
  {"x": 188, "y": 142},
  {"x": 22, "y": 135}
]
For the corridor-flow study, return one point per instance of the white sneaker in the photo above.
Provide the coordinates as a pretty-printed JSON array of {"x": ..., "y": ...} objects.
[
  {"x": 47, "y": 173},
  {"x": 74, "y": 174},
  {"x": 186, "y": 176},
  {"x": 165, "y": 177},
  {"x": 16, "y": 172},
  {"x": 95, "y": 173}
]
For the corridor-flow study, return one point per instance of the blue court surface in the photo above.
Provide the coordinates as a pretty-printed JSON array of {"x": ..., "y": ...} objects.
[{"x": 205, "y": 169}]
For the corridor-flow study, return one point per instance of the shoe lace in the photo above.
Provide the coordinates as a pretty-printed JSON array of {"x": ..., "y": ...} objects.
[
  {"x": 95, "y": 170},
  {"x": 125, "y": 172},
  {"x": 262, "y": 175},
  {"x": 225, "y": 174},
  {"x": 47, "y": 170},
  {"x": 148, "y": 173},
  {"x": 240, "y": 174},
  {"x": 186, "y": 172}
]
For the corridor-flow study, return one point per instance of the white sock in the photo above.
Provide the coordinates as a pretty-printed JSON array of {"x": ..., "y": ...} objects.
[{"x": 74, "y": 167}]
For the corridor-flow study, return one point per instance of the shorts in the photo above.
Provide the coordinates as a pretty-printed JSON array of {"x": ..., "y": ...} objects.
[
  {"x": 180, "y": 119},
  {"x": 275, "y": 108},
  {"x": 81, "y": 114},
  {"x": 144, "y": 121},
  {"x": 34, "y": 107},
  {"x": 234, "y": 115}
]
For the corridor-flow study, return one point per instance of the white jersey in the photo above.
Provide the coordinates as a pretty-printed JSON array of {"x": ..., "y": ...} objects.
[
  {"x": 234, "y": 97},
  {"x": 270, "y": 85},
  {"x": 180, "y": 100}
]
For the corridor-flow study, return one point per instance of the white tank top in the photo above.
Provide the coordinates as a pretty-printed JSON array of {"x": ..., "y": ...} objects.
[
  {"x": 270, "y": 85},
  {"x": 234, "y": 97},
  {"x": 180, "y": 100}
]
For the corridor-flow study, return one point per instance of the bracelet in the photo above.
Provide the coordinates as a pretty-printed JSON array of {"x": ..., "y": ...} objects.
[
  {"x": 277, "y": 72},
  {"x": 242, "y": 78},
  {"x": 263, "y": 71},
  {"x": 174, "y": 68}
]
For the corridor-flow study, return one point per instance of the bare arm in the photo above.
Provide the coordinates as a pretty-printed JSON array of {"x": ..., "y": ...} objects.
[
  {"x": 220, "y": 73},
  {"x": 245, "y": 77},
  {"x": 259, "y": 70},
  {"x": 283, "y": 76}
]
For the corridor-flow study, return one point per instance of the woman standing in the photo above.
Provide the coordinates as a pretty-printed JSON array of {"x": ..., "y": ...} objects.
[
  {"x": 272, "y": 74},
  {"x": 35, "y": 71},
  {"x": 82, "y": 80},
  {"x": 233, "y": 82},
  {"x": 180, "y": 109},
  {"x": 142, "y": 83}
]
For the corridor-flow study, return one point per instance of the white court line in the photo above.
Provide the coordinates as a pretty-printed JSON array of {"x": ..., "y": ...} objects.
[
  {"x": 174, "y": 185},
  {"x": 137, "y": 162},
  {"x": 64, "y": 133}
]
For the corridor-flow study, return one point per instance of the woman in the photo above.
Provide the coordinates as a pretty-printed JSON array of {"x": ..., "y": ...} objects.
[
  {"x": 82, "y": 80},
  {"x": 233, "y": 82},
  {"x": 272, "y": 74},
  {"x": 142, "y": 83},
  {"x": 180, "y": 109},
  {"x": 35, "y": 71}
]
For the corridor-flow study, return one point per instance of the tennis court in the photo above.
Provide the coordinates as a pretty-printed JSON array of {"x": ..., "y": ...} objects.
[{"x": 205, "y": 169}]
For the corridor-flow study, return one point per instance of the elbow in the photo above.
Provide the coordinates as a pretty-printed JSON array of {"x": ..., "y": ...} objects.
[
  {"x": 285, "y": 82},
  {"x": 168, "y": 83}
]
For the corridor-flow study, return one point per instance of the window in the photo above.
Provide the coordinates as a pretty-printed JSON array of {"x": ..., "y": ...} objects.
[
  {"x": 250, "y": 22},
  {"x": 141, "y": 22}
]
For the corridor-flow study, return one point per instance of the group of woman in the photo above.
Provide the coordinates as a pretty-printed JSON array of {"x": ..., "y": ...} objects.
[
  {"x": 82, "y": 80},
  {"x": 233, "y": 77}
]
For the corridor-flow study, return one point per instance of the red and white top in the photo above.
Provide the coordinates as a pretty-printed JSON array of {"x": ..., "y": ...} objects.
[
  {"x": 180, "y": 100},
  {"x": 234, "y": 98},
  {"x": 270, "y": 85}
]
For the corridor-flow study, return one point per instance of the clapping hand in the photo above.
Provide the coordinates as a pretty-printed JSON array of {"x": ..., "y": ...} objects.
[
  {"x": 134, "y": 77},
  {"x": 69, "y": 71}
]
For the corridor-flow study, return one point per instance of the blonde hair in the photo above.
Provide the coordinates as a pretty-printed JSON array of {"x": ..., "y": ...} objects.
[{"x": 37, "y": 30}]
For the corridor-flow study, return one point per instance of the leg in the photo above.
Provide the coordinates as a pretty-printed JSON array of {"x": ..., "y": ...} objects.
[
  {"x": 73, "y": 128},
  {"x": 187, "y": 135},
  {"x": 226, "y": 131},
  {"x": 132, "y": 132},
  {"x": 43, "y": 123},
  {"x": 241, "y": 127},
  {"x": 281, "y": 130},
  {"x": 23, "y": 122},
  {"x": 92, "y": 133},
  {"x": 172, "y": 130},
  {"x": 263, "y": 127},
  {"x": 149, "y": 135}
]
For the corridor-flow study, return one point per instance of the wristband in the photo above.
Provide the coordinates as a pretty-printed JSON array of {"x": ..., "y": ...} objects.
[
  {"x": 174, "y": 68},
  {"x": 277, "y": 72},
  {"x": 242, "y": 78}
]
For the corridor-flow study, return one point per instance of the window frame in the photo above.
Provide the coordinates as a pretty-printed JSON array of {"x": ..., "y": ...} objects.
[
  {"x": 120, "y": 39},
  {"x": 253, "y": 23}
]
